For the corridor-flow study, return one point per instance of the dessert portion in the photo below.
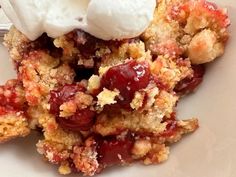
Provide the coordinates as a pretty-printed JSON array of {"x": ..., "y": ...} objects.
[{"x": 102, "y": 103}]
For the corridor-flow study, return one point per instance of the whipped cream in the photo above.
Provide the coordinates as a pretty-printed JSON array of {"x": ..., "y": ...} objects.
[{"x": 104, "y": 19}]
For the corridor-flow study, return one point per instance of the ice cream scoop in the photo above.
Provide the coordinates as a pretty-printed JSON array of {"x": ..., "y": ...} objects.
[{"x": 104, "y": 19}]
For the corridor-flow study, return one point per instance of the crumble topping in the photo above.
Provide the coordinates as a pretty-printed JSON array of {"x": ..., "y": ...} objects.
[{"x": 107, "y": 97}]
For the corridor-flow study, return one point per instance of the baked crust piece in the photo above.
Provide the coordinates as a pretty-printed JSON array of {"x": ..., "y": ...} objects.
[{"x": 13, "y": 120}]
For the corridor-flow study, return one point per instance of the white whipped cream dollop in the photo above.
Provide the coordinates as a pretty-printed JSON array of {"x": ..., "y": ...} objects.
[{"x": 104, "y": 19}]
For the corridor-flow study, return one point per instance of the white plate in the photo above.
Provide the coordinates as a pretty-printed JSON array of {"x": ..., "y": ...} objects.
[{"x": 210, "y": 152}]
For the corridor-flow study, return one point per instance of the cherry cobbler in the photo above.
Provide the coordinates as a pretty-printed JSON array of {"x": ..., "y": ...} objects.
[{"x": 103, "y": 103}]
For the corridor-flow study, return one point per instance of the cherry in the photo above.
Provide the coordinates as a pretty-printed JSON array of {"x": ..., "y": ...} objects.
[
  {"x": 62, "y": 95},
  {"x": 10, "y": 99},
  {"x": 127, "y": 78},
  {"x": 112, "y": 151},
  {"x": 82, "y": 120},
  {"x": 3, "y": 111},
  {"x": 85, "y": 43},
  {"x": 171, "y": 127},
  {"x": 190, "y": 84}
]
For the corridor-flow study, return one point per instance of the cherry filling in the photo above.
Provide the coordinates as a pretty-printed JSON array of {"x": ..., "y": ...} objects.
[
  {"x": 85, "y": 43},
  {"x": 82, "y": 120},
  {"x": 62, "y": 95},
  {"x": 9, "y": 98},
  {"x": 10, "y": 102},
  {"x": 3, "y": 111},
  {"x": 112, "y": 151},
  {"x": 171, "y": 128},
  {"x": 190, "y": 84},
  {"x": 127, "y": 78}
]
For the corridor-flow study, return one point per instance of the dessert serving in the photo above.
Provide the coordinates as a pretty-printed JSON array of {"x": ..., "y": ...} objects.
[{"x": 101, "y": 79}]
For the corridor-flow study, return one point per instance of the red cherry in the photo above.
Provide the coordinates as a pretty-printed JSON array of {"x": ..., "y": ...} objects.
[
  {"x": 62, "y": 95},
  {"x": 10, "y": 97},
  {"x": 127, "y": 78},
  {"x": 171, "y": 127},
  {"x": 190, "y": 84},
  {"x": 113, "y": 151},
  {"x": 82, "y": 120}
]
